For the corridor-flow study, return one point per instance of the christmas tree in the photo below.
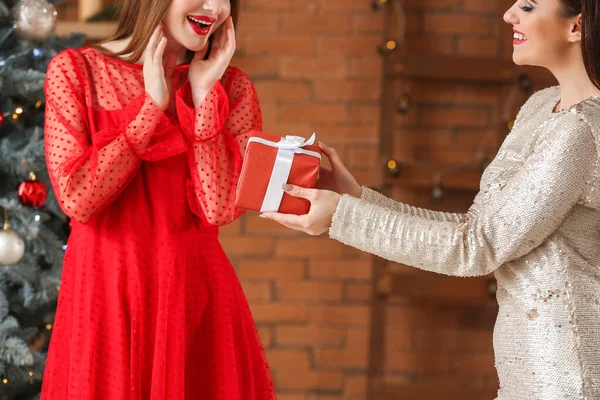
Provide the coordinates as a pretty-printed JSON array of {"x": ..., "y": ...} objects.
[{"x": 33, "y": 229}]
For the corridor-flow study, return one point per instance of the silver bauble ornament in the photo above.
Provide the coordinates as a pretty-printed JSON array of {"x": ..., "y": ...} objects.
[
  {"x": 34, "y": 19},
  {"x": 12, "y": 247}
]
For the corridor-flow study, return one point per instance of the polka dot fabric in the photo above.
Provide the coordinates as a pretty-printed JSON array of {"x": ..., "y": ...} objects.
[{"x": 150, "y": 308}]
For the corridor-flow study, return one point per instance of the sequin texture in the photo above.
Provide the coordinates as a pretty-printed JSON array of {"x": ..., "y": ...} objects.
[{"x": 535, "y": 224}]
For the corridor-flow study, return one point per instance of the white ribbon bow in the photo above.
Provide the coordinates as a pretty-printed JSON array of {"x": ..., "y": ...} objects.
[{"x": 287, "y": 147}]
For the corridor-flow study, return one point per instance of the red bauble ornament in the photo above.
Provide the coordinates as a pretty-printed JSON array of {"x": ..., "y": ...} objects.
[
  {"x": 32, "y": 193},
  {"x": 1, "y": 119}
]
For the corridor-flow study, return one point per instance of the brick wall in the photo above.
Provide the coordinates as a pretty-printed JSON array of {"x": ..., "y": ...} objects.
[{"x": 316, "y": 68}]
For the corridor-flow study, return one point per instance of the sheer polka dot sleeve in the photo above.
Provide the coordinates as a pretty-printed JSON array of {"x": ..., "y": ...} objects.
[
  {"x": 218, "y": 133},
  {"x": 87, "y": 172}
]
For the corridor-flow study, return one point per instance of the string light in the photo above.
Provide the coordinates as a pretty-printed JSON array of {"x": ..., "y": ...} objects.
[
  {"x": 38, "y": 104},
  {"x": 5, "y": 381},
  {"x": 19, "y": 110},
  {"x": 49, "y": 327},
  {"x": 30, "y": 373}
]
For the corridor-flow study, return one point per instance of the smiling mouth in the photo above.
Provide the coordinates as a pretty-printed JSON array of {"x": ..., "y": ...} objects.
[
  {"x": 518, "y": 37},
  {"x": 202, "y": 23}
]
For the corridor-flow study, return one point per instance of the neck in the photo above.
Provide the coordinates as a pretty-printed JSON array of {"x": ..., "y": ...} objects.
[
  {"x": 181, "y": 52},
  {"x": 575, "y": 84}
]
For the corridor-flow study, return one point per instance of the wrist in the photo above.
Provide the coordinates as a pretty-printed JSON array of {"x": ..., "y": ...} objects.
[{"x": 198, "y": 95}]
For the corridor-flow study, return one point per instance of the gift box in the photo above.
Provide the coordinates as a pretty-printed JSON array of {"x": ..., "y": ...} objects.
[{"x": 272, "y": 161}]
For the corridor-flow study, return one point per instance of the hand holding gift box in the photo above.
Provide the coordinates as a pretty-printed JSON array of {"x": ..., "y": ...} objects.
[{"x": 269, "y": 163}]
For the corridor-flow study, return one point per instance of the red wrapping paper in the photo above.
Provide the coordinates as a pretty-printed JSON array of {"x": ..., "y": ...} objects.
[{"x": 256, "y": 173}]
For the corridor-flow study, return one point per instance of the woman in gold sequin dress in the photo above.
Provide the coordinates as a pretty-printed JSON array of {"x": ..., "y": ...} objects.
[{"x": 535, "y": 222}]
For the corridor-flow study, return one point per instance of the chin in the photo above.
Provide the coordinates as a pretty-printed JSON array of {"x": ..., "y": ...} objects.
[{"x": 519, "y": 59}]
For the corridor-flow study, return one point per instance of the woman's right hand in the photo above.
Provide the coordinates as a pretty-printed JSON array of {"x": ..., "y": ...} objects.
[
  {"x": 337, "y": 178},
  {"x": 158, "y": 71}
]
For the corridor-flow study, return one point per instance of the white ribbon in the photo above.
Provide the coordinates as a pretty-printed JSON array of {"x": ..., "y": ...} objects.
[{"x": 287, "y": 147}]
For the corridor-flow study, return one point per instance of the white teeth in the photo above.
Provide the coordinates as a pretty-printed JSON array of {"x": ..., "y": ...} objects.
[
  {"x": 200, "y": 22},
  {"x": 519, "y": 36}
]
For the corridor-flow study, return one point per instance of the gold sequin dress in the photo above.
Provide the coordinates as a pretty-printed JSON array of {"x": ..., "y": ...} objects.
[{"x": 536, "y": 225}]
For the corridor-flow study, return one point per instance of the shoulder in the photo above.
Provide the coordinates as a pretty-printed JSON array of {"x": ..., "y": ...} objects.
[
  {"x": 235, "y": 81},
  {"x": 542, "y": 98}
]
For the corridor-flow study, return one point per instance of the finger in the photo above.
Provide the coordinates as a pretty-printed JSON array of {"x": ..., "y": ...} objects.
[
  {"x": 158, "y": 56},
  {"x": 153, "y": 42},
  {"x": 296, "y": 222},
  {"x": 324, "y": 170},
  {"x": 231, "y": 43},
  {"x": 300, "y": 192},
  {"x": 332, "y": 155}
]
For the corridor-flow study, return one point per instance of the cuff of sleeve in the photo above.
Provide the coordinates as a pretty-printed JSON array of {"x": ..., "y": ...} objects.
[
  {"x": 342, "y": 218},
  {"x": 147, "y": 111},
  {"x": 206, "y": 120},
  {"x": 369, "y": 194}
]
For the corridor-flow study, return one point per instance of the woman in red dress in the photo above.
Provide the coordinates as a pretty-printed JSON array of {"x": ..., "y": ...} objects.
[{"x": 144, "y": 141}]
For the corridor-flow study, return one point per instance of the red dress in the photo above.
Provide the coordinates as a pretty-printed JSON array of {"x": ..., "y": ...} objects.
[{"x": 150, "y": 308}]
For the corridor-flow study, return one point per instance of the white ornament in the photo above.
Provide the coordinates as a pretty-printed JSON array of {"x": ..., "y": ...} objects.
[
  {"x": 35, "y": 19},
  {"x": 12, "y": 247}
]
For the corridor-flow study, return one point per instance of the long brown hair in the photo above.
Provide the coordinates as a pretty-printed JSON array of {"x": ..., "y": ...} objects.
[
  {"x": 138, "y": 19},
  {"x": 590, "y": 33}
]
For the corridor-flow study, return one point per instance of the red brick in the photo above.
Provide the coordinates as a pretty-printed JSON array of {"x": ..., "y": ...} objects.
[
  {"x": 261, "y": 226},
  {"x": 477, "y": 94},
  {"x": 257, "y": 292},
  {"x": 253, "y": 21},
  {"x": 281, "y": 44},
  {"x": 347, "y": 6},
  {"x": 306, "y": 379},
  {"x": 342, "y": 91},
  {"x": 266, "y": 336},
  {"x": 353, "y": 45},
  {"x": 431, "y": 5},
  {"x": 250, "y": 269},
  {"x": 457, "y": 24},
  {"x": 244, "y": 246},
  {"x": 309, "y": 291},
  {"x": 348, "y": 133},
  {"x": 313, "y": 112},
  {"x": 366, "y": 67},
  {"x": 480, "y": 363},
  {"x": 478, "y": 47},
  {"x": 453, "y": 116},
  {"x": 419, "y": 362},
  {"x": 351, "y": 357},
  {"x": 482, "y": 6},
  {"x": 355, "y": 385},
  {"x": 286, "y": 5},
  {"x": 277, "y": 90},
  {"x": 313, "y": 67},
  {"x": 312, "y": 247},
  {"x": 341, "y": 269},
  {"x": 430, "y": 45},
  {"x": 357, "y": 292},
  {"x": 232, "y": 229},
  {"x": 257, "y": 66},
  {"x": 279, "y": 312},
  {"x": 340, "y": 316},
  {"x": 426, "y": 91},
  {"x": 369, "y": 23},
  {"x": 316, "y": 336},
  {"x": 370, "y": 113},
  {"x": 288, "y": 358},
  {"x": 316, "y": 23},
  {"x": 362, "y": 157},
  {"x": 454, "y": 340}
]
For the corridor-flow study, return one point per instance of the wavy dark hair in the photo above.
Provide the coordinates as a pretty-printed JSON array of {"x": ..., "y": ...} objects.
[
  {"x": 590, "y": 33},
  {"x": 138, "y": 19}
]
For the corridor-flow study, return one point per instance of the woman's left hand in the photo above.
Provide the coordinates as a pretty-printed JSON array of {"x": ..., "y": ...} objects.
[
  {"x": 203, "y": 74},
  {"x": 323, "y": 204}
]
